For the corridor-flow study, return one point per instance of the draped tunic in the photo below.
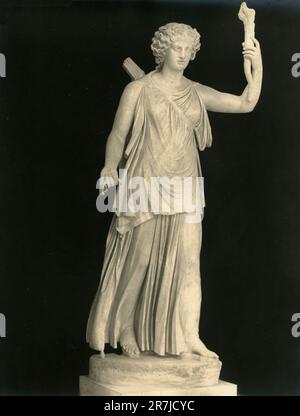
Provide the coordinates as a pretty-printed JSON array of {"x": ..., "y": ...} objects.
[{"x": 167, "y": 130}]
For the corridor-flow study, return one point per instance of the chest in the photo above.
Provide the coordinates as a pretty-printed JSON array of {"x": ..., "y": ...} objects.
[{"x": 164, "y": 107}]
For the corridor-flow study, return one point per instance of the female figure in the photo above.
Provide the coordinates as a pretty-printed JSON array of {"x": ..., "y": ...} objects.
[{"x": 149, "y": 295}]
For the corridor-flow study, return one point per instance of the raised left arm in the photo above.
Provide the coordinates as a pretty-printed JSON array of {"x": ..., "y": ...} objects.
[{"x": 229, "y": 103}]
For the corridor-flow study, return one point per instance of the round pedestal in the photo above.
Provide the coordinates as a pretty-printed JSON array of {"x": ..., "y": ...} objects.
[{"x": 190, "y": 371}]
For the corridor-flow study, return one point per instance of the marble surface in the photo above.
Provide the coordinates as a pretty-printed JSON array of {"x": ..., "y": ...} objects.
[
  {"x": 191, "y": 371},
  {"x": 89, "y": 387},
  {"x": 154, "y": 375}
]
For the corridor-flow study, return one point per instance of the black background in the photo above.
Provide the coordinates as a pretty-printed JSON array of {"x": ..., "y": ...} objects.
[{"x": 64, "y": 80}]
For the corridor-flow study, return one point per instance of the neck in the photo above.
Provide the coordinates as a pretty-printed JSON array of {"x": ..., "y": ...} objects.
[{"x": 172, "y": 77}]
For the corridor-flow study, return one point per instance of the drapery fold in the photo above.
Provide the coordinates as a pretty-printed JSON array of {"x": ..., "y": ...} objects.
[
  {"x": 167, "y": 131},
  {"x": 165, "y": 136}
]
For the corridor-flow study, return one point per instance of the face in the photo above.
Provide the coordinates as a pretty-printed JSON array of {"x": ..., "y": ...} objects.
[{"x": 179, "y": 54}]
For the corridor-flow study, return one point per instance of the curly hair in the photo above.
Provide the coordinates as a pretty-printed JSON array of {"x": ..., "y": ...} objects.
[{"x": 166, "y": 35}]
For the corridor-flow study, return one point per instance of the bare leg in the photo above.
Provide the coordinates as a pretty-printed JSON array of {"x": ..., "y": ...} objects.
[{"x": 191, "y": 291}]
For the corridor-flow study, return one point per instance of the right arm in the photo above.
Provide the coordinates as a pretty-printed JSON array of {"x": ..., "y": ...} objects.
[{"x": 117, "y": 137}]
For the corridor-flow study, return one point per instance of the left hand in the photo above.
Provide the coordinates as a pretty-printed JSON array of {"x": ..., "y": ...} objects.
[{"x": 253, "y": 53}]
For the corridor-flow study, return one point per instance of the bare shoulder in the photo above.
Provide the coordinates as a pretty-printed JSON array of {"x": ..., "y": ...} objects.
[
  {"x": 209, "y": 95},
  {"x": 204, "y": 90}
]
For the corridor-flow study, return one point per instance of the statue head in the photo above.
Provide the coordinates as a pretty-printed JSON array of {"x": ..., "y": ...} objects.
[{"x": 175, "y": 44}]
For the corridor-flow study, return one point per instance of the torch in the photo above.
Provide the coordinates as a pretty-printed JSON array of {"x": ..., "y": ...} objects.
[{"x": 247, "y": 16}]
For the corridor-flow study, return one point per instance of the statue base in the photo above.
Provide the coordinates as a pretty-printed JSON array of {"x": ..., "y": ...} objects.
[{"x": 152, "y": 375}]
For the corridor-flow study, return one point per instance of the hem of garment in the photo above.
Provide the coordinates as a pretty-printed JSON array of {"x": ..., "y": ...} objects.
[
  {"x": 115, "y": 346},
  {"x": 122, "y": 229}
]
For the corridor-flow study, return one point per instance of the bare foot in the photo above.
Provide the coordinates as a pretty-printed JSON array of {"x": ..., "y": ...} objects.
[
  {"x": 197, "y": 347},
  {"x": 128, "y": 343}
]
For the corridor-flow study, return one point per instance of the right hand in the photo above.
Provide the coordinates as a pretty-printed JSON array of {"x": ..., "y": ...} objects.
[
  {"x": 252, "y": 52},
  {"x": 108, "y": 178}
]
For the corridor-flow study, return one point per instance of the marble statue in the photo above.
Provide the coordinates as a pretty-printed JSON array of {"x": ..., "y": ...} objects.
[{"x": 149, "y": 295}]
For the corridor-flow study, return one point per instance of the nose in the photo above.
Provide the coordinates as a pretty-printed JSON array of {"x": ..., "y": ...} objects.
[{"x": 182, "y": 55}]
